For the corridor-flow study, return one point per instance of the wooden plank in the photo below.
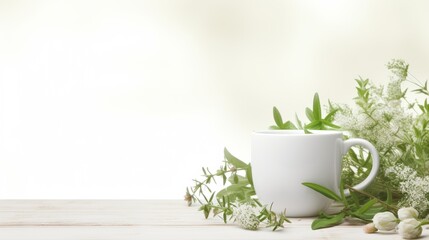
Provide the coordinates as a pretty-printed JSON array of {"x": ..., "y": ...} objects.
[{"x": 144, "y": 219}]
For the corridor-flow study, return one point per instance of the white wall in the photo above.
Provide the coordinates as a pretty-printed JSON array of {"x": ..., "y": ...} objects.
[{"x": 128, "y": 99}]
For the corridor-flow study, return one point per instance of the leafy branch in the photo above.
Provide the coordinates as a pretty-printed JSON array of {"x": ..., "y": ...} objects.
[
  {"x": 353, "y": 207},
  {"x": 238, "y": 189}
]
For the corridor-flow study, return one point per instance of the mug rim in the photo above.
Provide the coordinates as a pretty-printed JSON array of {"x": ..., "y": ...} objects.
[{"x": 299, "y": 132}]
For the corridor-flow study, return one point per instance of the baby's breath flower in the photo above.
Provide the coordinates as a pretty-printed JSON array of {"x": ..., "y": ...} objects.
[
  {"x": 410, "y": 228},
  {"x": 384, "y": 124},
  {"x": 394, "y": 91},
  {"x": 246, "y": 215},
  {"x": 406, "y": 213},
  {"x": 414, "y": 187},
  {"x": 385, "y": 221},
  {"x": 398, "y": 67}
]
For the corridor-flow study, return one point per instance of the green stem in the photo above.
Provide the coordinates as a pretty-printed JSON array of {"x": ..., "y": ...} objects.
[{"x": 394, "y": 208}]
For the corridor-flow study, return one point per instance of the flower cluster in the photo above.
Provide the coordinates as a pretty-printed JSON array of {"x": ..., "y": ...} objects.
[
  {"x": 414, "y": 187},
  {"x": 380, "y": 117},
  {"x": 246, "y": 215},
  {"x": 406, "y": 224},
  {"x": 399, "y": 129}
]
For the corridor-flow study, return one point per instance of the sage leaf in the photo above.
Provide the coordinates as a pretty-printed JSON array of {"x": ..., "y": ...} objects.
[
  {"x": 317, "y": 111},
  {"x": 309, "y": 114},
  {"x": 233, "y": 160},
  {"x": 289, "y": 125},
  {"x": 327, "y": 222},
  {"x": 277, "y": 117},
  {"x": 323, "y": 190}
]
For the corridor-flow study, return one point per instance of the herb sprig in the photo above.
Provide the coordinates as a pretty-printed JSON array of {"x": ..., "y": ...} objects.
[
  {"x": 359, "y": 205},
  {"x": 236, "y": 176}
]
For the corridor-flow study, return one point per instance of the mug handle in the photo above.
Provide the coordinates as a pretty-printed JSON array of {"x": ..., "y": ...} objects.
[{"x": 375, "y": 161}]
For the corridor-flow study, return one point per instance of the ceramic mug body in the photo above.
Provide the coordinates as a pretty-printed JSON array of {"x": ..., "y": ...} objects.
[{"x": 283, "y": 159}]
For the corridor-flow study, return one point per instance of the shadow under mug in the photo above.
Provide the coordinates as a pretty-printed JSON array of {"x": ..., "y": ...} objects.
[{"x": 283, "y": 159}]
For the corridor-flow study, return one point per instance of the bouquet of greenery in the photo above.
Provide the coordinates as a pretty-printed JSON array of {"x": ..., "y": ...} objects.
[{"x": 385, "y": 116}]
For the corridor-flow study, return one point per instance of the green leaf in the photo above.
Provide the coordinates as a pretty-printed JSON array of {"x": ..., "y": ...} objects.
[
  {"x": 323, "y": 190},
  {"x": 330, "y": 124},
  {"x": 368, "y": 214},
  {"x": 234, "y": 161},
  {"x": 366, "y": 206},
  {"x": 309, "y": 114},
  {"x": 327, "y": 222},
  {"x": 211, "y": 197},
  {"x": 206, "y": 211},
  {"x": 330, "y": 115},
  {"x": 249, "y": 174},
  {"x": 355, "y": 199},
  {"x": 298, "y": 122},
  {"x": 342, "y": 195},
  {"x": 313, "y": 125},
  {"x": 317, "y": 111},
  {"x": 235, "y": 178},
  {"x": 231, "y": 191},
  {"x": 353, "y": 155},
  {"x": 289, "y": 125},
  {"x": 389, "y": 199},
  {"x": 277, "y": 117}
]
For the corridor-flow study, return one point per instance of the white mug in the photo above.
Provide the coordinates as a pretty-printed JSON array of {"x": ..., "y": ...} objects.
[{"x": 283, "y": 159}]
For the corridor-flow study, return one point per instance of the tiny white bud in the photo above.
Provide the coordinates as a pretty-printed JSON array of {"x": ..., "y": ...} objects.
[
  {"x": 385, "y": 221},
  {"x": 409, "y": 228},
  {"x": 369, "y": 228},
  {"x": 409, "y": 212}
]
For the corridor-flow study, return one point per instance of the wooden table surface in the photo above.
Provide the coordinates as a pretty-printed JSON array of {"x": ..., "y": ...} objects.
[{"x": 145, "y": 219}]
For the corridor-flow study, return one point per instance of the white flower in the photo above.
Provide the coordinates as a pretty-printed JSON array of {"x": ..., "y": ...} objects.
[
  {"x": 409, "y": 228},
  {"x": 246, "y": 216},
  {"x": 394, "y": 91},
  {"x": 370, "y": 228},
  {"x": 385, "y": 221},
  {"x": 409, "y": 212},
  {"x": 414, "y": 187},
  {"x": 399, "y": 68}
]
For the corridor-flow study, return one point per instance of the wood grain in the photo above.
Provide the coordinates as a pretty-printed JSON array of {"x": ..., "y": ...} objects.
[{"x": 145, "y": 219}]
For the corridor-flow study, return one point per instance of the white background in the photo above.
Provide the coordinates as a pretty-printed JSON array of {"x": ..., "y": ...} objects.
[{"x": 129, "y": 99}]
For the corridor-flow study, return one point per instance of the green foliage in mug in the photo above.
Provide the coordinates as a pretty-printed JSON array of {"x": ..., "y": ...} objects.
[{"x": 317, "y": 122}]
